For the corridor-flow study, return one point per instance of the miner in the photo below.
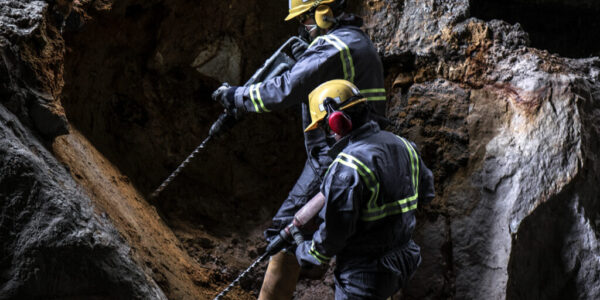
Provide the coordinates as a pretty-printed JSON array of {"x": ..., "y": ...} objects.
[
  {"x": 372, "y": 190},
  {"x": 339, "y": 49}
]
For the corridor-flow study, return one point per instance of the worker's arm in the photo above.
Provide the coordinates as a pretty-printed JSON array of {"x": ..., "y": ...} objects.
[
  {"x": 426, "y": 187},
  {"x": 321, "y": 62},
  {"x": 343, "y": 192}
]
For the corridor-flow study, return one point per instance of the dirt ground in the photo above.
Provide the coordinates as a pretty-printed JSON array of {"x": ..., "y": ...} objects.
[{"x": 188, "y": 260}]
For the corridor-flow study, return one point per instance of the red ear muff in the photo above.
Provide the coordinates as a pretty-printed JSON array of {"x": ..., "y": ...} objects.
[{"x": 339, "y": 123}]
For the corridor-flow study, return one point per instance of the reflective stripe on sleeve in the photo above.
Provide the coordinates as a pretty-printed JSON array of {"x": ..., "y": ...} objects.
[
  {"x": 320, "y": 257},
  {"x": 252, "y": 98},
  {"x": 256, "y": 98},
  {"x": 365, "y": 173}
]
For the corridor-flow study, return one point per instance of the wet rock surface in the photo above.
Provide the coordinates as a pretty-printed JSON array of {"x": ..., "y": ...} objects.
[{"x": 510, "y": 131}]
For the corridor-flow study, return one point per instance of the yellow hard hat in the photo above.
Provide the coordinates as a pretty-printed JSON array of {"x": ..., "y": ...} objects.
[
  {"x": 298, "y": 7},
  {"x": 342, "y": 92}
]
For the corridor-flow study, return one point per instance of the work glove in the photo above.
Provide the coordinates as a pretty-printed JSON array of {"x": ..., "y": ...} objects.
[
  {"x": 225, "y": 95},
  {"x": 298, "y": 49}
]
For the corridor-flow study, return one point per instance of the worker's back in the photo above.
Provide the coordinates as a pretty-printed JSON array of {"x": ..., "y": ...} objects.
[{"x": 395, "y": 181}]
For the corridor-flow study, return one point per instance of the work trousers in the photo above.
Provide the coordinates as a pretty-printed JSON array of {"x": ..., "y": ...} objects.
[{"x": 380, "y": 277}]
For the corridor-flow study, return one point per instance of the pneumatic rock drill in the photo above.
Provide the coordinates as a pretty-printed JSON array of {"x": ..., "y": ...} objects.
[
  {"x": 288, "y": 236},
  {"x": 281, "y": 61}
]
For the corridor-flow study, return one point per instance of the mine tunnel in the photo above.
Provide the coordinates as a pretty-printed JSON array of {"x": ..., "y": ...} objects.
[
  {"x": 132, "y": 89},
  {"x": 561, "y": 27},
  {"x": 506, "y": 129}
]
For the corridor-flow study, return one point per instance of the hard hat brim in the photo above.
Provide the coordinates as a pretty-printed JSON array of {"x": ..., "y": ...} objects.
[
  {"x": 315, "y": 124},
  {"x": 292, "y": 15},
  {"x": 302, "y": 9}
]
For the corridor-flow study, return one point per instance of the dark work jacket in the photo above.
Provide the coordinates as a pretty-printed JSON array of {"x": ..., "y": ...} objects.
[
  {"x": 346, "y": 52},
  {"x": 372, "y": 190}
]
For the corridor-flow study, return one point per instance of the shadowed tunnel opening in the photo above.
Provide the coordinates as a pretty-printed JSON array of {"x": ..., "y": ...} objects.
[
  {"x": 537, "y": 267},
  {"x": 562, "y": 27}
]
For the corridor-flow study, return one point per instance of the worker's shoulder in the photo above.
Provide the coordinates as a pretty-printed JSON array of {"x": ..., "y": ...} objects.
[
  {"x": 360, "y": 153},
  {"x": 401, "y": 141},
  {"x": 340, "y": 37}
]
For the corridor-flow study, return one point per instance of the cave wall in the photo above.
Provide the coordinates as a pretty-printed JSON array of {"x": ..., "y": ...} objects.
[
  {"x": 31, "y": 48},
  {"x": 138, "y": 84},
  {"x": 506, "y": 128},
  {"x": 509, "y": 130},
  {"x": 54, "y": 244}
]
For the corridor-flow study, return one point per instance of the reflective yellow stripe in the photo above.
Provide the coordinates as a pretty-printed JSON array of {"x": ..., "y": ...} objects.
[
  {"x": 345, "y": 55},
  {"x": 414, "y": 164},
  {"x": 392, "y": 204},
  {"x": 368, "y": 91},
  {"x": 348, "y": 56},
  {"x": 374, "y": 190},
  {"x": 380, "y": 98},
  {"x": 371, "y": 182},
  {"x": 341, "y": 55},
  {"x": 314, "y": 41},
  {"x": 402, "y": 205},
  {"x": 252, "y": 98},
  {"x": 389, "y": 213},
  {"x": 260, "y": 98},
  {"x": 320, "y": 257},
  {"x": 374, "y": 94}
]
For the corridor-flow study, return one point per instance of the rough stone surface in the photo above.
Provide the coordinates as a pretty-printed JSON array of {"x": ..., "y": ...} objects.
[
  {"x": 510, "y": 131},
  {"x": 53, "y": 243},
  {"x": 31, "y": 52},
  {"x": 507, "y": 129}
]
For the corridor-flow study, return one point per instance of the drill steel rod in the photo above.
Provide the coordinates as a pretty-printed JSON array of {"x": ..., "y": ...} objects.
[
  {"x": 226, "y": 290},
  {"x": 178, "y": 170}
]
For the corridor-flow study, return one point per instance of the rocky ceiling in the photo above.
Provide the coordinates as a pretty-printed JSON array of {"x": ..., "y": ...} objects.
[{"x": 557, "y": 26}]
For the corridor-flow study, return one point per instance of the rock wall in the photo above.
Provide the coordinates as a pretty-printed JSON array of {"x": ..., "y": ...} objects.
[
  {"x": 507, "y": 129},
  {"x": 31, "y": 48},
  {"x": 510, "y": 131},
  {"x": 54, "y": 244}
]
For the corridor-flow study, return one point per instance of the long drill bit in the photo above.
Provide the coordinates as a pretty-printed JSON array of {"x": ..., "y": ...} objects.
[
  {"x": 225, "y": 121},
  {"x": 178, "y": 170},
  {"x": 226, "y": 290}
]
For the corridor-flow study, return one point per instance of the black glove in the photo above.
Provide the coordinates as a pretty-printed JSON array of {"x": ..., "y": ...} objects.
[
  {"x": 225, "y": 95},
  {"x": 289, "y": 236},
  {"x": 298, "y": 49},
  {"x": 275, "y": 228}
]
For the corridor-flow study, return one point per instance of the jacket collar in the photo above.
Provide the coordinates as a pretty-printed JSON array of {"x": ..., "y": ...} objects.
[
  {"x": 347, "y": 19},
  {"x": 362, "y": 132}
]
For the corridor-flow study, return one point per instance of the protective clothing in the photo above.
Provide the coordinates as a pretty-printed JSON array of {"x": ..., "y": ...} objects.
[
  {"x": 298, "y": 50},
  {"x": 299, "y": 7},
  {"x": 372, "y": 190},
  {"x": 344, "y": 53},
  {"x": 343, "y": 93}
]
